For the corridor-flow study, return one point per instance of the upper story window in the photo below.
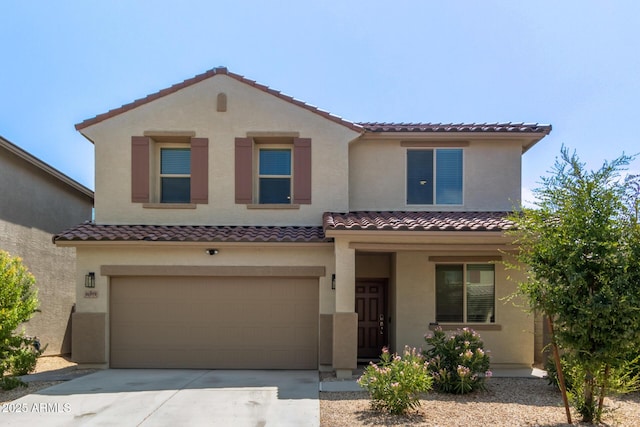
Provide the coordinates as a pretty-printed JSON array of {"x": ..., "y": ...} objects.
[
  {"x": 273, "y": 171},
  {"x": 465, "y": 293},
  {"x": 434, "y": 176},
  {"x": 274, "y": 175},
  {"x": 175, "y": 175},
  {"x": 169, "y": 169}
]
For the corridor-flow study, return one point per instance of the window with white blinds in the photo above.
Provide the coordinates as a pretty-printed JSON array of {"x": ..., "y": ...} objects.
[
  {"x": 175, "y": 175},
  {"x": 465, "y": 293},
  {"x": 434, "y": 176},
  {"x": 274, "y": 176}
]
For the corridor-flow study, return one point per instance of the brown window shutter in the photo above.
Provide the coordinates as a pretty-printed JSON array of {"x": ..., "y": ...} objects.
[
  {"x": 140, "y": 169},
  {"x": 244, "y": 170},
  {"x": 199, "y": 170},
  {"x": 302, "y": 171}
]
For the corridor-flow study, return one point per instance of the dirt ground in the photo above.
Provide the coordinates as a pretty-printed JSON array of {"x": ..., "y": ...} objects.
[{"x": 44, "y": 364}]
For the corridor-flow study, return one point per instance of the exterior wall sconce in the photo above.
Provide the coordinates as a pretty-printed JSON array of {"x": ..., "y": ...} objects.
[
  {"x": 333, "y": 282},
  {"x": 211, "y": 251},
  {"x": 90, "y": 280}
]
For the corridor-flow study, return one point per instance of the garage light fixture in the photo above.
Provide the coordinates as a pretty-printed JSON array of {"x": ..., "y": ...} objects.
[
  {"x": 333, "y": 282},
  {"x": 211, "y": 251},
  {"x": 90, "y": 280}
]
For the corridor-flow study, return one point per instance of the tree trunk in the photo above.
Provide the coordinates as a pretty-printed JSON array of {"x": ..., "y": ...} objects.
[
  {"x": 603, "y": 391},
  {"x": 589, "y": 385}
]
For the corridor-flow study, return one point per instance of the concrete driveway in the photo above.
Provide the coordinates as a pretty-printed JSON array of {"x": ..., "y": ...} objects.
[{"x": 173, "y": 397}]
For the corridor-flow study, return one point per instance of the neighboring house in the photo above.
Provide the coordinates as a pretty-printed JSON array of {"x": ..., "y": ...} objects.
[
  {"x": 37, "y": 201},
  {"x": 237, "y": 227}
]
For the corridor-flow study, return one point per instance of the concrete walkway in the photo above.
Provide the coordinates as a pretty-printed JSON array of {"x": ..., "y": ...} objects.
[
  {"x": 351, "y": 385},
  {"x": 173, "y": 397}
]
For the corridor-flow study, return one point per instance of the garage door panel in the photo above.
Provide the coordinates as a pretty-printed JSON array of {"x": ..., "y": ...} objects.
[
  {"x": 164, "y": 334},
  {"x": 224, "y": 323}
]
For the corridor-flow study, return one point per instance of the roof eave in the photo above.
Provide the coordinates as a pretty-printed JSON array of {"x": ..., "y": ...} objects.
[
  {"x": 527, "y": 139},
  {"x": 19, "y": 152},
  {"x": 344, "y": 232},
  {"x": 189, "y": 243}
]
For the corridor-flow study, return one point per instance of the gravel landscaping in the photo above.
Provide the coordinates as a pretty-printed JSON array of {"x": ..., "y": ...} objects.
[
  {"x": 44, "y": 364},
  {"x": 507, "y": 402}
]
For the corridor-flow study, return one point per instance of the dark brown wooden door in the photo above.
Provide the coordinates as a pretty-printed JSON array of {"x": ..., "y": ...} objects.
[{"x": 372, "y": 325}]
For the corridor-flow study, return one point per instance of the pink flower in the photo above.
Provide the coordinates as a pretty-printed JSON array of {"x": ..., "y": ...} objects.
[
  {"x": 463, "y": 371},
  {"x": 488, "y": 374},
  {"x": 467, "y": 354}
]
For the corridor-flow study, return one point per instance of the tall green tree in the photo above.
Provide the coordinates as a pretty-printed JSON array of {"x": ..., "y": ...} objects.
[
  {"x": 580, "y": 246},
  {"x": 18, "y": 303}
]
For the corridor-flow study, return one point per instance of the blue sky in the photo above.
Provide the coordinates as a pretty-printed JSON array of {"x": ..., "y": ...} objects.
[{"x": 572, "y": 64}]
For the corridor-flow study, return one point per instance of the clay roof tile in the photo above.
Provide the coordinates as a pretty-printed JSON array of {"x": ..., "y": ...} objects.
[
  {"x": 417, "y": 221},
  {"x": 180, "y": 233}
]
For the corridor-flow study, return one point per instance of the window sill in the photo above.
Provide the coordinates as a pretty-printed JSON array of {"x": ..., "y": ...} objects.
[
  {"x": 474, "y": 326},
  {"x": 169, "y": 205},
  {"x": 273, "y": 206}
]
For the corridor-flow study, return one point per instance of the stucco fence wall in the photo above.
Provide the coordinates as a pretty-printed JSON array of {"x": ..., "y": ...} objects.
[{"x": 54, "y": 270}]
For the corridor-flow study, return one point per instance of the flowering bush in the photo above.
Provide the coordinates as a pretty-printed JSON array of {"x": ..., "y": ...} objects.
[
  {"x": 395, "y": 383},
  {"x": 458, "y": 362}
]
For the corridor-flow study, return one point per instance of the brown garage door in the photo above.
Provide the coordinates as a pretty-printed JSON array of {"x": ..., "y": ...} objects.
[{"x": 214, "y": 322}]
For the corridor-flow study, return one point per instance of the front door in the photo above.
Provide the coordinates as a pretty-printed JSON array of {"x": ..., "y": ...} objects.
[{"x": 372, "y": 325}]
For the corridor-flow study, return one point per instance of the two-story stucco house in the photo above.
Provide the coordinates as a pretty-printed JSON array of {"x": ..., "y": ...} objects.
[
  {"x": 237, "y": 227},
  {"x": 36, "y": 201}
]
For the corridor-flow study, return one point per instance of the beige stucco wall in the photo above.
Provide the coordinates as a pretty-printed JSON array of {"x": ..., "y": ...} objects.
[
  {"x": 373, "y": 266},
  {"x": 54, "y": 271},
  {"x": 411, "y": 299},
  {"x": 33, "y": 206},
  {"x": 415, "y": 308},
  {"x": 377, "y": 176},
  {"x": 91, "y": 258},
  {"x": 194, "y": 109},
  {"x": 31, "y": 197}
]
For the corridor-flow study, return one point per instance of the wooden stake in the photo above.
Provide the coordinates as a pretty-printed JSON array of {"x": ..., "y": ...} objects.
[{"x": 556, "y": 356}]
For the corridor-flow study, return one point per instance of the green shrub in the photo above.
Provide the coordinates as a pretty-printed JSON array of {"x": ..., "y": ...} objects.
[
  {"x": 458, "y": 362},
  {"x": 20, "y": 359},
  {"x": 621, "y": 379},
  {"x": 24, "y": 358},
  {"x": 9, "y": 383},
  {"x": 396, "y": 382},
  {"x": 18, "y": 303}
]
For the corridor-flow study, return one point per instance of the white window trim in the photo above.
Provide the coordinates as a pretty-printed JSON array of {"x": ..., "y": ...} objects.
[
  {"x": 257, "y": 176},
  {"x": 434, "y": 149},
  {"x": 156, "y": 189}
]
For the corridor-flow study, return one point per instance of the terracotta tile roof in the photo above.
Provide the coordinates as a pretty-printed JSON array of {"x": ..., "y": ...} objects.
[
  {"x": 417, "y": 221},
  {"x": 364, "y": 220},
  {"x": 457, "y": 127},
  {"x": 190, "y": 233},
  {"x": 207, "y": 74}
]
